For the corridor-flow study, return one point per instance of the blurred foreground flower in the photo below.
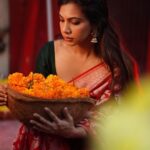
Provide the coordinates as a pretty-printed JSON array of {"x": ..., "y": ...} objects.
[{"x": 127, "y": 127}]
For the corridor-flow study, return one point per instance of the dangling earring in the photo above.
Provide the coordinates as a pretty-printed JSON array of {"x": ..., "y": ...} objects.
[{"x": 94, "y": 39}]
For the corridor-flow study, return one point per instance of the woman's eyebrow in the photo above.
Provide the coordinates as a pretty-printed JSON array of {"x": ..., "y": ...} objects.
[{"x": 79, "y": 18}]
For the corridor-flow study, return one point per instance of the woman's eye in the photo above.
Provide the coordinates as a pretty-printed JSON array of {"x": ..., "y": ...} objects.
[{"x": 75, "y": 22}]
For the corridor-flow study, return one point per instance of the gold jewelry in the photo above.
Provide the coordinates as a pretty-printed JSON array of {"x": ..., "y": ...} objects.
[{"x": 94, "y": 40}]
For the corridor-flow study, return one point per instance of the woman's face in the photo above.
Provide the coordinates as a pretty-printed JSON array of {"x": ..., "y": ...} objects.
[{"x": 74, "y": 26}]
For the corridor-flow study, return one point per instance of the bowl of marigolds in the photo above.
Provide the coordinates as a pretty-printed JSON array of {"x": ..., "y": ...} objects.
[{"x": 30, "y": 94}]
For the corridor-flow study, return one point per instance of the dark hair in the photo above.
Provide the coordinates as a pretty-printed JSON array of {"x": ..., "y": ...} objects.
[{"x": 108, "y": 46}]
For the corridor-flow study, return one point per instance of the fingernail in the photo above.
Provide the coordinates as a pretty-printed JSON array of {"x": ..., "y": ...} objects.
[
  {"x": 46, "y": 108},
  {"x": 66, "y": 108},
  {"x": 35, "y": 114},
  {"x": 31, "y": 121},
  {"x": 5, "y": 99}
]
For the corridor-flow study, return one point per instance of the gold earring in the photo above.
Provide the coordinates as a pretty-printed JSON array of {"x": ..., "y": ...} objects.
[{"x": 94, "y": 39}]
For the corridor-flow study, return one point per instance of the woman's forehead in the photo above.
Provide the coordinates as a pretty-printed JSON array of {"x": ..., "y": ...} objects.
[{"x": 71, "y": 10}]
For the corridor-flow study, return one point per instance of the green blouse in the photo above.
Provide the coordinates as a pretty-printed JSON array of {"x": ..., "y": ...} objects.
[{"x": 45, "y": 63}]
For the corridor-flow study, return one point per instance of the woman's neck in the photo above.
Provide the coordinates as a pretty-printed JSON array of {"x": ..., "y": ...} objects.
[{"x": 83, "y": 49}]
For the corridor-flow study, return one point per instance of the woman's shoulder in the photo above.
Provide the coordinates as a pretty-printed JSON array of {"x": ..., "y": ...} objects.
[
  {"x": 51, "y": 47},
  {"x": 58, "y": 45}
]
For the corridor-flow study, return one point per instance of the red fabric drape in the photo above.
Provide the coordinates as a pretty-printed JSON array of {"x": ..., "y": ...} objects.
[
  {"x": 27, "y": 34},
  {"x": 55, "y": 19}
]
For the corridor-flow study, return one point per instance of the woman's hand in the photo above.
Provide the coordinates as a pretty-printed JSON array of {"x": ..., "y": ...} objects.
[
  {"x": 58, "y": 126},
  {"x": 3, "y": 95}
]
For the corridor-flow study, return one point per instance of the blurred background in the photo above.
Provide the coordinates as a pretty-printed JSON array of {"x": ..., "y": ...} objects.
[{"x": 26, "y": 25}]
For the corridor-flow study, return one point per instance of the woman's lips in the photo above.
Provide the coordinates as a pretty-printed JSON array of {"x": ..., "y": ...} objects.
[{"x": 68, "y": 38}]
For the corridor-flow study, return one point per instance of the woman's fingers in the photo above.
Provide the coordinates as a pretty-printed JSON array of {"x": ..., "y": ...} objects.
[
  {"x": 52, "y": 115},
  {"x": 42, "y": 124},
  {"x": 40, "y": 118},
  {"x": 68, "y": 115},
  {"x": 39, "y": 126},
  {"x": 3, "y": 92},
  {"x": 40, "y": 129},
  {"x": 3, "y": 88},
  {"x": 3, "y": 100},
  {"x": 3, "y": 97},
  {"x": 2, "y": 103},
  {"x": 89, "y": 114}
]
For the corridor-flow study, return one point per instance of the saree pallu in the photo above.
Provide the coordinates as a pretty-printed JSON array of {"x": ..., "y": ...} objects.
[{"x": 98, "y": 80}]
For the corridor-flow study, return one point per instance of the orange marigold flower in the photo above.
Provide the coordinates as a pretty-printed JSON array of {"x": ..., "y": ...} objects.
[{"x": 52, "y": 87}]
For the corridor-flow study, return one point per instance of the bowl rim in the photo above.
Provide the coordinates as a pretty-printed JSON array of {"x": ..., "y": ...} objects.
[{"x": 28, "y": 98}]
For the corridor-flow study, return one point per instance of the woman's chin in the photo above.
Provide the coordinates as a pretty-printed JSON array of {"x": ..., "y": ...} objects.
[{"x": 69, "y": 43}]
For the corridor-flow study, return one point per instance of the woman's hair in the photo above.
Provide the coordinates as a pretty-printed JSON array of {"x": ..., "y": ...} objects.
[{"x": 108, "y": 46}]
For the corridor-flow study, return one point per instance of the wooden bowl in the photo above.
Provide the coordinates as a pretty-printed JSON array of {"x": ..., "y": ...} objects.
[{"x": 24, "y": 106}]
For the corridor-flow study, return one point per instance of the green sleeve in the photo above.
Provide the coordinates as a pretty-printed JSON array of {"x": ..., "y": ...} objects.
[{"x": 45, "y": 63}]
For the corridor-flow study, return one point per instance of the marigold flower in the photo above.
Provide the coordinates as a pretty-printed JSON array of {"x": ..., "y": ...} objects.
[{"x": 52, "y": 87}]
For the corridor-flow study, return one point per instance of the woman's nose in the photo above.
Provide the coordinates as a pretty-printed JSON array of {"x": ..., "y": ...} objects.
[{"x": 66, "y": 28}]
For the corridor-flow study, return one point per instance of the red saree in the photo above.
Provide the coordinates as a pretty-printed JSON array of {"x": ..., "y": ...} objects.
[{"x": 97, "y": 80}]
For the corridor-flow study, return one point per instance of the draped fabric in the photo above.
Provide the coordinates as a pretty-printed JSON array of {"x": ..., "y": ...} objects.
[
  {"x": 28, "y": 32},
  {"x": 55, "y": 19}
]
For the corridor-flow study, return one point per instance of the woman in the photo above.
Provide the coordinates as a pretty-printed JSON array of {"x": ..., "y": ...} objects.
[{"x": 89, "y": 55}]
